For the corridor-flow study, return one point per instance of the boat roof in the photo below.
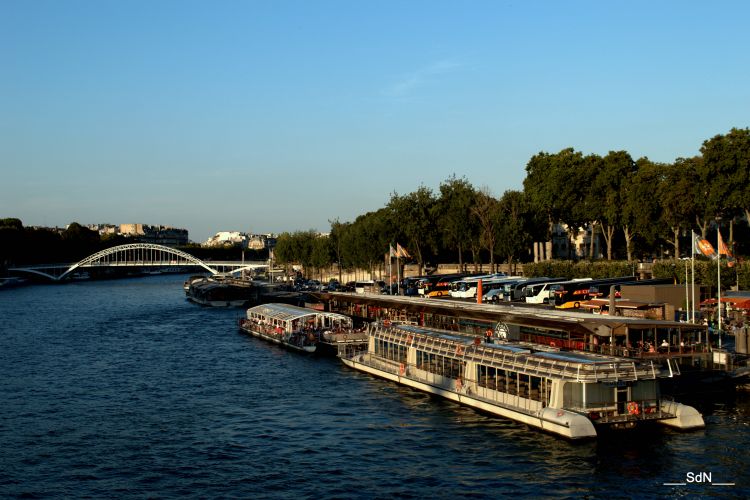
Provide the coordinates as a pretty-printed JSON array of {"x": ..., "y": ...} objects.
[
  {"x": 571, "y": 357},
  {"x": 515, "y": 313},
  {"x": 287, "y": 312}
]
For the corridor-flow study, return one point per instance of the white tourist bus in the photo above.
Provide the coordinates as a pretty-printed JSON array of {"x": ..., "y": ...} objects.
[{"x": 539, "y": 293}]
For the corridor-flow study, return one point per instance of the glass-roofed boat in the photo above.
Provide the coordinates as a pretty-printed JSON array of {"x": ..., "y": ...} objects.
[
  {"x": 299, "y": 328},
  {"x": 574, "y": 395}
]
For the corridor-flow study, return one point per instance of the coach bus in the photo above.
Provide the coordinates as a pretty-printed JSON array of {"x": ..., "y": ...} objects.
[{"x": 570, "y": 294}]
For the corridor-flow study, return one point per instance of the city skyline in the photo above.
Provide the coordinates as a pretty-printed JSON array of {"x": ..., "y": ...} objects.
[{"x": 272, "y": 117}]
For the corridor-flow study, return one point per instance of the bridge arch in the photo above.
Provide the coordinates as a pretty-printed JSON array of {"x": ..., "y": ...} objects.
[{"x": 134, "y": 254}]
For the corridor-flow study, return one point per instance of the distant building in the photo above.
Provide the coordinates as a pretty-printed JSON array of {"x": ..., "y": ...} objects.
[
  {"x": 244, "y": 240},
  {"x": 160, "y": 235},
  {"x": 567, "y": 244},
  {"x": 226, "y": 238}
]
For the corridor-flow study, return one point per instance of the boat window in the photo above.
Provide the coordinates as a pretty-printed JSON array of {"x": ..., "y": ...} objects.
[
  {"x": 389, "y": 350},
  {"x": 535, "y": 388}
]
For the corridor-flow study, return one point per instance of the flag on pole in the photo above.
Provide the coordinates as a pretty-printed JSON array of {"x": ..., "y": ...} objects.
[
  {"x": 703, "y": 247},
  {"x": 401, "y": 251},
  {"x": 392, "y": 252},
  {"x": 723, "y": 250}
]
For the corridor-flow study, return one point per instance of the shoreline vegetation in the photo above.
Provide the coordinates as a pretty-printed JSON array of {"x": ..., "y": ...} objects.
[{"x": 575, "y": 209}]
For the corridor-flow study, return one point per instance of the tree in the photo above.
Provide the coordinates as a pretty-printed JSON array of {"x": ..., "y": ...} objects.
[
  {"x": 726, "y": 162},
  {"x": 615, "y": 168},
  {"x": 321, "y": 253},
  {"x": 640, "y": 208},
  {"x": 551, "y": 185},
  {"x": 453, "y": 211},
  {"x": 513, "y": 236},
  {"x": 336, "y": 237},
  {"x": 411, "y": 216},
  {"x": 487, "y": 211},
  {"x": 677, "y": 190},
  {"x": 366, "y": 241},
  {"x": 78, "y": 242}
]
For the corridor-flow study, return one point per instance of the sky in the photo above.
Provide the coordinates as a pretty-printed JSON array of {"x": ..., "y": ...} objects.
[{"x": 280, "y": 115}]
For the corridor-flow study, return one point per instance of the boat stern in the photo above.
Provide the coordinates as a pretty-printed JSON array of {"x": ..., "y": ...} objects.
[{"x": 685, "y": 417}]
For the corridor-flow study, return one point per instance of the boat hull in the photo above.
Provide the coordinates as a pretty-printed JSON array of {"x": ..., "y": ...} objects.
[
  {"x": 277, "y": 339},
  {"x": 561, "y": 422}
]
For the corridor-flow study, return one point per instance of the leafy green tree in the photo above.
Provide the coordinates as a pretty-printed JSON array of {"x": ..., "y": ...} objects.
[
  {"x": 616, "y": 167},
  {"x": 412, "y": 218},
  {"x": 486, "y": 209},
  {"x": 640, "y": 208},
  {"x": 587, "y": 201},
  {"x": 513, "y": 237},
  {"x": 78, "y": 242},
  {"x": 12, "y": 241},
  {"x": 726, "y": 172},
  {"x": 365, "y": 243},
  {"x": 453, "y": 213},
  {"x": 551, "y": 185},
  {"x": 296, "y": 248},
  {"x": 321, "y": 253},
  {"x": 677, "y": 190},
  {"x": 338, "y": 229}
]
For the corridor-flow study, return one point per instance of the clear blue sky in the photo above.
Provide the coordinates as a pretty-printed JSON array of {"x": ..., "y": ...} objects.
[{"x": 270, "y": 116}]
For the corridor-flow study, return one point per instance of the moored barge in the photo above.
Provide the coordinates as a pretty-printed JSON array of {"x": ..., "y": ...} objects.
[
  {"x": 300, "y": 328},
  {"x": 574, "y": 395}
]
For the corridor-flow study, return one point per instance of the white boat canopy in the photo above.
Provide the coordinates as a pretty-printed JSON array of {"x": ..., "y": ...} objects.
[{"x": 287, "y": 312}]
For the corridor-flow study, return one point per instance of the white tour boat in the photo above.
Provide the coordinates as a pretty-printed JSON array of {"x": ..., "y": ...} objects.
[
  {"x": 297, "y": 328},
  {"x": 570, "y": 394}
]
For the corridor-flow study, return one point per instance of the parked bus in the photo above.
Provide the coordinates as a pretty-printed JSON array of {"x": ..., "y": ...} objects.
[
  {"x": 503, "y": 292},
  {"x": 427, "y": 284},
  {"x": 442, "y": 287},
  {"x": 539, "y": 293},
  {"x": 368, "y": 286},
  {"x": 570, "y": 294},
  {"x": 466, "y": 288},
  {"x": 516, "y": 292}
]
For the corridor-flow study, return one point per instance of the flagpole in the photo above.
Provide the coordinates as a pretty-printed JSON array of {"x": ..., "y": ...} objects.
[
  {"x": 398, "y": 276},
  {"x": 718, "y": 276},
  {"x": 687, "y": 299},
  {"x": 692, "y": 280},
  {"x": 390, "y": 269}
]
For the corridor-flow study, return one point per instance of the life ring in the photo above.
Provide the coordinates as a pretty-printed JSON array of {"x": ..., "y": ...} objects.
[
  {"x": 386, "y": 322},
  {"x": 477, "y": 341},
  {"x": 633, "y": 408},
  {"x": 489, "y": 332},
  {"x": 402, "y": 369}
]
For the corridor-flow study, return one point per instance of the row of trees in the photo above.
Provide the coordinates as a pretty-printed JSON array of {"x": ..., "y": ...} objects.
[
  {"x": 647, "y": 201},
  {"x": 635, "y": 206}
]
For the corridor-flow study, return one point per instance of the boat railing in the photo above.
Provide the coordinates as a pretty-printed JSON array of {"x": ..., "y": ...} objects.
[
  {"x": 519, "y": 397},
  {"x": 522, "y": 360},
  {"x": 604, "y": 412}
]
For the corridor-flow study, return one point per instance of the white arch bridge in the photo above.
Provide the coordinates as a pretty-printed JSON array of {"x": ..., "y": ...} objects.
[{"x": 137, "y": 255}]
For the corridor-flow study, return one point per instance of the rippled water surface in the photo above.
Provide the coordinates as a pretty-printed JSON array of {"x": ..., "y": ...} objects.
[{"x": 121, "y": 389}]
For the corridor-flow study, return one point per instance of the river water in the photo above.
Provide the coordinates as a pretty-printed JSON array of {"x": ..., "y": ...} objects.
[{"x": 123, "y": 389}]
